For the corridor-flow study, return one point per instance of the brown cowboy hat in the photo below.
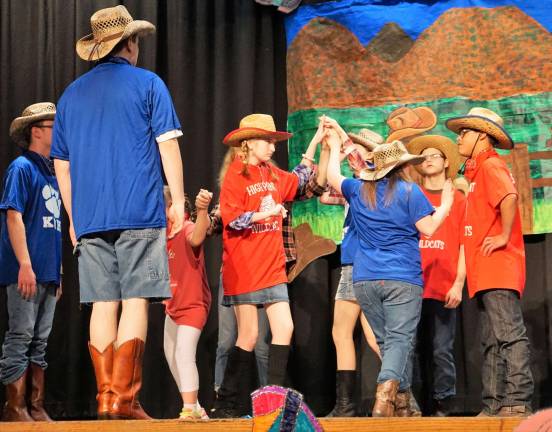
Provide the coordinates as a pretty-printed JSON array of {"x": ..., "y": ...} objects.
[
  {"x": 444, "y": 145},
  {"x": 405, "y": 122},
  {"x": 109, "y": 27},
  {"x": 483, "y": 120},
  {"x": 309, "y": 248},
  {"x": 366, "y": 138},
  {"x": 32, "y": 114},
  {"x": 259, "y": 126},
  {"x": 386, "y": 157}
]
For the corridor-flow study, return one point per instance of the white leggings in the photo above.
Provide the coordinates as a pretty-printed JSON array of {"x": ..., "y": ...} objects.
[{"x": 180, "y": 343}]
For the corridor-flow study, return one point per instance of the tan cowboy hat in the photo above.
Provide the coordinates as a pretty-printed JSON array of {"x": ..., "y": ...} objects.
[
  {"x": 109, "y": 27},
  {"x": 444, "y": 145},
  {"x": 255, "y": 126},
  {"x": 309, "y": 248},
  {"x": 366, "y": 138},
  {"x": 406, "y": 122},
  {"x": 386, "y": 157},
  {"x": 32, "y": 114},
  {"x": 483, "y": 120}
]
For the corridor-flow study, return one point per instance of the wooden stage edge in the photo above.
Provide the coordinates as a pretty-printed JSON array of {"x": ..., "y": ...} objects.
[{"x": 455, "y": 424}]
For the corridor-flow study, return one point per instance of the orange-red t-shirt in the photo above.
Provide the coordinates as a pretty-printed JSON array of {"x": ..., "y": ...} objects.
[
  {"x": 491, "y": 182},
  {"x": 440, "y": 251},
  {"x": 254, "y": 258},
  {"x": 191, "y": 297}
]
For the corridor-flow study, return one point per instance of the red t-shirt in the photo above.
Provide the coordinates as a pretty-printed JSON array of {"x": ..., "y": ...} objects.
[
  {"x": 191, "y": 297},
  {"x": 254, "y": 258},
  {"x": 491, "y": 182},
  {"x": 440, "y": 251}
]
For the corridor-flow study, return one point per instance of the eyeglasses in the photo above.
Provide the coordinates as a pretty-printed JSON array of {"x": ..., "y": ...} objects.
[
  {"x": 465, "y": 131},
  {"x": 434, "y": 156}
]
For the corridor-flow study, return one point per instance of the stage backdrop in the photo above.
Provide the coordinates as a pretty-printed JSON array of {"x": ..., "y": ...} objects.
[{"x": 359, "y": 60}]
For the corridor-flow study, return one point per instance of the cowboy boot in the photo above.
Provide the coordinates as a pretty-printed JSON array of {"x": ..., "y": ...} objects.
[
  {"x": 240, "y": 379},
  {"x": 103, "y": 368},
  {"x": 15, "y": 409},
  {"x": 126, "y": 381},
  {"x": 278, "y": 356},
  {"x": 36, "y": 401},
  {"x": 386, "y": 394},
  {"x": 345, "y": 405},
  {"x": 403, "y": 406}
]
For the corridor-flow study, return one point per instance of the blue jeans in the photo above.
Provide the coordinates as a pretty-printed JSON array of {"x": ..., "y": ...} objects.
[
  {"x": 29, "y": 325},
  {"x": 393, "y": 310},
  {"x": 227, "y": 335},
  {"x": 506, "y": 373},
  {"x": 437, "y": 329}
]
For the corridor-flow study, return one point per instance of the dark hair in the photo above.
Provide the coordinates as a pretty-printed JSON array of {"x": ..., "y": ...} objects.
[
  {"x": 122, "y": 44},
  {"x": 368, "y": 190}
]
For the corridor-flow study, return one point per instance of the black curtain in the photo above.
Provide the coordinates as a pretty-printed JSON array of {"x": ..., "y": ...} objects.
[{"x": 221, "y": 59}]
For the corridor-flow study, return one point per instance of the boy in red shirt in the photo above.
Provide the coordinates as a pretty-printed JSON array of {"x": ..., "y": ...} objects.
[
  {"x": 188, "y": 308},
  {"x": 443, "y": 265},
  {"x": 495, "y": 261}
]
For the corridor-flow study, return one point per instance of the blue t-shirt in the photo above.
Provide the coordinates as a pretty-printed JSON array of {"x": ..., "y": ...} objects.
[
  {"x": 349, "y": 243},
  {"x": 388, "y": 238},
  {"x": 30, "y": 188},
  {"x": 106, "y": 125}
]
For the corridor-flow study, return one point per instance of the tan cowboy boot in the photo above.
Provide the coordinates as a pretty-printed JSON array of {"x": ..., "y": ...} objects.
[
  {"x": 126, "y": 381},
  {"x": 36, "y": 401},
  {"x": 15, "y": 409},
  {"x": 386, "y": 394},
  {"x": 403, "y": 407},
  {"x": 103, "y": 368}
]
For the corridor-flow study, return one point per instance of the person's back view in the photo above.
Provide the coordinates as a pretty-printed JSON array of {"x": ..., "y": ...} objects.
[{"x": 117, "y": 128}]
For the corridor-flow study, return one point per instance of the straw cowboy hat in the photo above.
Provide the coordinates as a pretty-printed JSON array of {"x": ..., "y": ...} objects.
[
  {"x": 109, "y": 27},
  {"x": 483, "y": 120},
  {"x": 366, "y": 138},
  {"x": 386, "y": 157},
  {"x": 309, "y": 248},
  {"x": 406, "y": 122},
  {"x": 259, "y": 126},
  {"x": 444, "y": 145},
  {"x": 32, "y": 114}
]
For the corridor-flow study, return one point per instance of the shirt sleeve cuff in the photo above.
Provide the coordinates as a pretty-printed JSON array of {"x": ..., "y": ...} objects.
[{"x": 172, "y": 134}]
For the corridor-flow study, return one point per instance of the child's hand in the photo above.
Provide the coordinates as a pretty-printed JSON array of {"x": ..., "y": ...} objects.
[{"x": 203, "y": 199}]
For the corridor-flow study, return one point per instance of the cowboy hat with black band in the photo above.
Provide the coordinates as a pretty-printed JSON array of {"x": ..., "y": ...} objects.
[
  {"x": 483, "y": 120},
  {"x": 30, "y": 115},
  {"x": 109, "y": 27}
]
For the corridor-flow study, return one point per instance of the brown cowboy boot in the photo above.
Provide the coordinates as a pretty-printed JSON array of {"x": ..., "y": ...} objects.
[
  {"x": 15, "y": 409},
  {"x": 403, "y": 407},
  {"x": 103, "y": 368},
  {"x": 126, "y": 381},
  {"x": 36, "y": 400},
  {"x": 386, "y": 394}
]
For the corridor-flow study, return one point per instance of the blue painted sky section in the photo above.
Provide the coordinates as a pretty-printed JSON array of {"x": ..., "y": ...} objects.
[{"x": 365, "y": 18}]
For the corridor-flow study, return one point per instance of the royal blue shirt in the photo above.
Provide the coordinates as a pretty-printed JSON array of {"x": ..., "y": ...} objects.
[
  {"x": 30, "y": 188},
  {"x": 388, "y": 238},
  {"x": 349, "y": 243},
  {"x": 106, "y": 126}
]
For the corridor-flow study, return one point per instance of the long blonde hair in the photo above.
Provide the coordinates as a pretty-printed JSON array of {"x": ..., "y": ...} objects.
[{"x": 368, "y": 190}]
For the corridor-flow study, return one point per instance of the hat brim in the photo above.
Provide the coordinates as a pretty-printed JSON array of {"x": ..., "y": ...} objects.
[
  {"x": 441, "y": 143},
  {"x": 19, "y": 124},
  {"x": 482, "y": 124},
  {"x": 234, "y": 138},
  {"x": 87, "y": 49},
  {"x": 373, "y": 175},
  {"x": 370, "y": 145}
]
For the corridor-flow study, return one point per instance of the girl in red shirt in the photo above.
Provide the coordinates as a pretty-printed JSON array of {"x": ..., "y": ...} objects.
[
  {"x": 187, "y": 310},
  {"x": 253, "y": 264}
]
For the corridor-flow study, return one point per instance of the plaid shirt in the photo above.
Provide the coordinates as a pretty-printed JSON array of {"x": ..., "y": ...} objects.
[{"x": 308, "y": 188}]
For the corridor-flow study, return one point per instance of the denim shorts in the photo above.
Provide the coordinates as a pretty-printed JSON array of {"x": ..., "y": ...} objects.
[
  {"x": 123, "y": 264},
  {"x": 345, "y": 290},
  {"x": 274, "y": 294}
]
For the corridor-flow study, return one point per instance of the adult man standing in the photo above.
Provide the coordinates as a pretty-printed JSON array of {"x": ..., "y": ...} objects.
[
  {"x": 116, "y": 129},
  {"x": 495, "y": 262},
  {"x": 30, "y": 262}
]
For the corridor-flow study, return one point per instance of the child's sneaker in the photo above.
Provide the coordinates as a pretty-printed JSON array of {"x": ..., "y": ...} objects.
[{"x": 197, "y": 413}]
